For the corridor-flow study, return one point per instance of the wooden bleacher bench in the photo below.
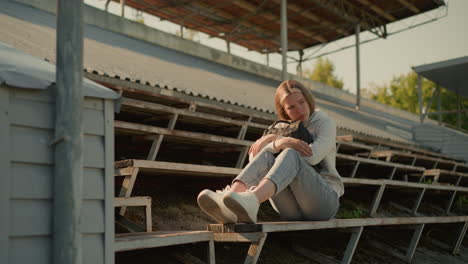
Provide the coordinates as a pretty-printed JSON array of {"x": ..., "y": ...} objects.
[
  {"x": 396, "y": 146},
  {"x": 130, "y": 169},
  {"x": 135, "y": 241},
  {"x": 256, "y": 234}
]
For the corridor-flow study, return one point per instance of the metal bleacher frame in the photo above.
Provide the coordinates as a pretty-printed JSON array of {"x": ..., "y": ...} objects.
[{"x": 364, "y": 151}]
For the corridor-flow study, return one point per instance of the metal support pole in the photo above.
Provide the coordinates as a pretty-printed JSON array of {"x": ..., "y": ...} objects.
[
  {"x": 107, "y": 5},
  {"x": 122, "y": 8},
  {"x": 420, "y": 99},
  {"x": 228, "y": 46},
  {"x": 459, "y": 111},
  {"x": 439, "y": 108},
  {"x": 68, "y": 156},
  {"x": 299, "y": 65},
  {"x": 182, "y": 29},
  {"x": 268, "y": 59},
  {"x": 358, "y": 69},
  {"x": 284, "y": 39}
]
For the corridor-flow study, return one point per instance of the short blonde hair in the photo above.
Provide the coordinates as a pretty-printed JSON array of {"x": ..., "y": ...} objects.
[{"x": 286, "y": 88}]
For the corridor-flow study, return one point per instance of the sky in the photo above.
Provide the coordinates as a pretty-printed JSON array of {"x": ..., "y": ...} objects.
[{"x": 380, "y": 60}]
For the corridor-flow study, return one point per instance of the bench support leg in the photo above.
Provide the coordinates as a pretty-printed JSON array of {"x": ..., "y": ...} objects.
[
  {"x": 352, "y": 244},
  {"x": 377, "y": 198},
  {"x": 461, "y": 236},
  {"x": 418, "y": 201},
  {"x": 211, "y": 252},
  {"x": 242, "y": 157},
  {"x": 452, "y": 198},
  {"x": 414, "y": 243},
  {"x": 127, "y": 187},
  {"x": 353, "y": 173},
  {"x": 392, "y": 173},
  {"x": 255, "y": 249},
  {"x": 155, "y": 147}
]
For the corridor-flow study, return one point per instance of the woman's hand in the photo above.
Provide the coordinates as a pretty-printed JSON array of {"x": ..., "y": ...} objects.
[
  {"x": 288, "y": 142},
  {"x": 258, "y": 145}
]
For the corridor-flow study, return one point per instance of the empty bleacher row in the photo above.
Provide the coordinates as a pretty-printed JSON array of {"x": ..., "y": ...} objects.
[{"x": 161, "y": 136}]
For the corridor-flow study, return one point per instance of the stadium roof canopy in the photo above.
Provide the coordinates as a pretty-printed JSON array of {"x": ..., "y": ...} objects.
[
  {"x": 450, "y": 74},
  {"x": 255, "y": 24}
]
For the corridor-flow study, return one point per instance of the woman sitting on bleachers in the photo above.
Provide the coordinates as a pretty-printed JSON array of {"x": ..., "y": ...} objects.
[{"x": 295, "y": 189}]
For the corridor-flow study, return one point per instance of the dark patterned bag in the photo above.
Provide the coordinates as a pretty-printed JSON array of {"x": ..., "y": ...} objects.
[{"x": 294, "y": 129}]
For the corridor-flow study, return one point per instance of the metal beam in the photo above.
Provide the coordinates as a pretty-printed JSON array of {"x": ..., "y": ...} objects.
[
  {"x": 354, "y": 15},
  {"x": 68, "y": 169},
  {"x": 358, "y": 69},
  {"x": 377, "y": 9},
  {"x": 319, "y": 20},
  {"x": 291, "y": 25},
  {"x": 284, "y": 39},
  {"x": 409, "y": 6}
]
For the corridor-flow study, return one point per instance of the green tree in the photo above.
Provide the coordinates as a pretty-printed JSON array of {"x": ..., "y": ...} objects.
[
  {"x": 402, "y": 92},
  {"x": 324, "y": 71}
]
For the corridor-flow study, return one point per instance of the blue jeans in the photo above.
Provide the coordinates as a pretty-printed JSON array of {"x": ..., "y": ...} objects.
[{"x": 301, "y": 193}]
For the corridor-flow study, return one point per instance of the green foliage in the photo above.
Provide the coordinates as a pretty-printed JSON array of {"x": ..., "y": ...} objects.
[
  {"x": 402, "y": 92},
  {"x": 462, "y": 201},
  {"x": 427, "y": 181},
  {"x": 324, "y": 72},
  {"x": 350, "y": 214}
]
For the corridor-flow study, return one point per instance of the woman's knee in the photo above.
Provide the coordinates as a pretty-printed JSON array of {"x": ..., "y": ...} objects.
[{"x": 290, "y": 152}]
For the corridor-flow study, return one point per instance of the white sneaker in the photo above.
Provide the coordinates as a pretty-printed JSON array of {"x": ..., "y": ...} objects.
[
  {"x": 212, "y": 204},
  {"x": 245, "y": 205}
]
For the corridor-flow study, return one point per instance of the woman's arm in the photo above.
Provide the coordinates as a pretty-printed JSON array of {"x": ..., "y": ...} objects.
[
  {"x": 258, "y": 145},
  {"x": 313, "y": 153}
]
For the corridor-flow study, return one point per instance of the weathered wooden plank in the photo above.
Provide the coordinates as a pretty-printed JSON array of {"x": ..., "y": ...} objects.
[
  {"x": 379, "y": 162},
  {"x": 150, "y": 107},
  {"x": 93, "y": 248},
  {"x": 132, "y": 201},
  {"x": 187, "y": 169},
  {"x": 128, "y": 225},
  {"x": 414, "y": 243},
  {"x": 30, "y": 249},
  {"x": 148, "y": 130},
  {"x": 126, "y": 242},
  {"x": 335, "y": 223},
  {"x": 30, "y": 218}
]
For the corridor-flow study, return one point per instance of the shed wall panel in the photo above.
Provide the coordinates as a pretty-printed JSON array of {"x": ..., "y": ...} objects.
[
  {"x": 94, "y": 103},
  {"x": 30, "y": 217},
  {"x": 92, "y": 216},
  {"x": 93, "y": 248},
  {"x": 93, "y": 151},
  {"x": 93, "y": 122},
  {"x": 32, "y": 113},
  {"x": 5, "y": 156},
  {"x": 30, "y": 250},
  {"x": 31, "y": 181},
  {"x": 31, "y": 145},
  {"x": 93, "y": 184}
]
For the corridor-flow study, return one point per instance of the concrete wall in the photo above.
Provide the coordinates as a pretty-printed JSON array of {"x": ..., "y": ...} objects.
[{"x": 26, "y": 201}]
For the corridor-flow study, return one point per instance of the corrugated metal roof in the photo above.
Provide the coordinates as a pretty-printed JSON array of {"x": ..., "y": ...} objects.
[
  {"x": 122, "y": 57},
  {"x": 450, "y": 74},
  {"x": 22, "y": 70}
]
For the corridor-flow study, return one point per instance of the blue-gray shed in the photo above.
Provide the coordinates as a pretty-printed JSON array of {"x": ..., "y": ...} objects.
[{"x": 26, "y": 161}]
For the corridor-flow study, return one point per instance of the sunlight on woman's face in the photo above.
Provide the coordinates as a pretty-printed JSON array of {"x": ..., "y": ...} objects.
[{"x": 296, "y": 107}]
